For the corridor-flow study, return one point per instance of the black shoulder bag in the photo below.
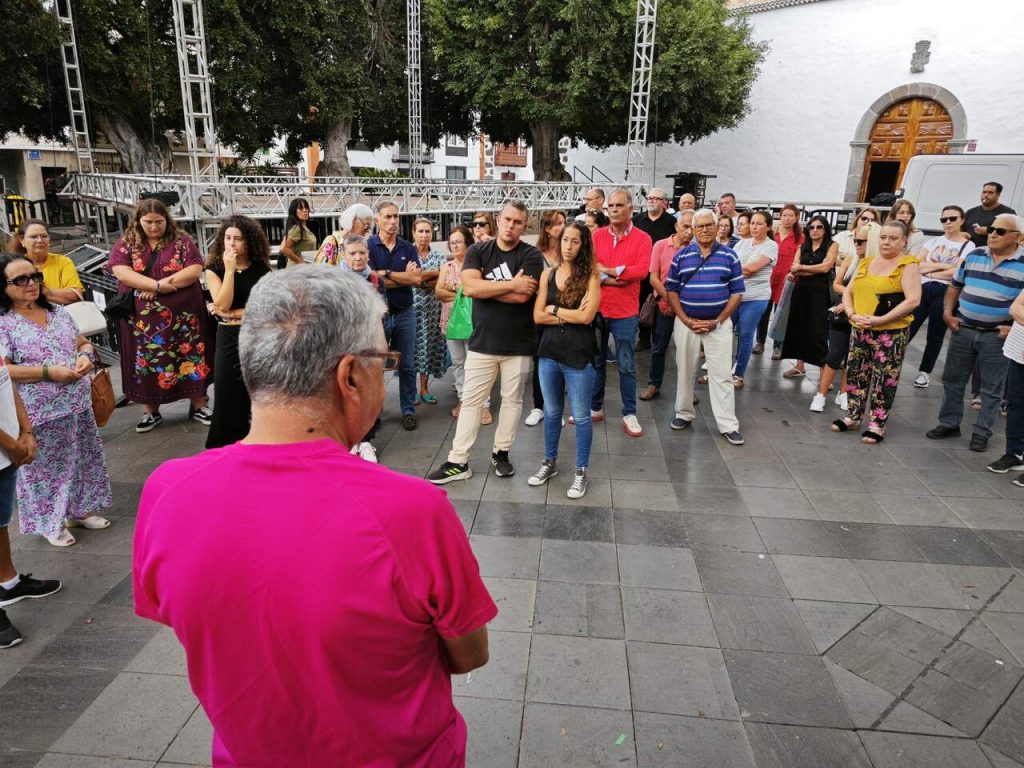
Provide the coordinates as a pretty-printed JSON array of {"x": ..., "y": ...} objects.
[{"x": 122, "y": 306}]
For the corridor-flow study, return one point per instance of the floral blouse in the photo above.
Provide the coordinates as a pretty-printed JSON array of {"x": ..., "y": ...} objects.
[{"x": 23, "y": 342}]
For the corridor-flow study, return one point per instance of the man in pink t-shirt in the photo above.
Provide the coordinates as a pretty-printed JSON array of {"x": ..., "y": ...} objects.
[{"x": 323, "y": 601}]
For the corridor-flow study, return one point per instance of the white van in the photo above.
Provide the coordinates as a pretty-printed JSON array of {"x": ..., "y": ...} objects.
[{"x": 932, "y": 181}]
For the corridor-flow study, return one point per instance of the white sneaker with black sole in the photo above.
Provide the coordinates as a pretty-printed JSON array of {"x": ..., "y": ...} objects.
[
  {"x": 922, "y": 380},
  {"x": 546, "y": 472},
  {"x": 149, "y": 422}
]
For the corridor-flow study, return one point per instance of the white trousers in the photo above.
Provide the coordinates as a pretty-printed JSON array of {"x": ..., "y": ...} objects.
[{"x": 718, "y": 356}]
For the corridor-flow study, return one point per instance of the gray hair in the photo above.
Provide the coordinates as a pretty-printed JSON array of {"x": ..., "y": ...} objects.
[
  {"x": 1018, "y": 221},
  {"x": 519, "y": 205},
  {"x": 352, "y": 239},
  {"x": 299, "y": 323},
  {"x": 705, "y": 213},
  {"x": 353, "y": 212},
  {"x": 381, "y": 205}
]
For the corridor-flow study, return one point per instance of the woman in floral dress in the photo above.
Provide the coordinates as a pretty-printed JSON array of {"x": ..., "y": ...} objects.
[
  {"x": 166, "y": 345},
  {"x": 431, "y": 358},
  {"x": 50, "y": 363}
]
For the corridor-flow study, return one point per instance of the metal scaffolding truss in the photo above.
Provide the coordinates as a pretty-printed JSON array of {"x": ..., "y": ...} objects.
[
  {"x": 268, "y": 197},
  {"x": 640, "y": 94},
  {"x": 414, "y": 77},
  {"x": 73, "y": 84},
  {"x": 190, "y": 41}
]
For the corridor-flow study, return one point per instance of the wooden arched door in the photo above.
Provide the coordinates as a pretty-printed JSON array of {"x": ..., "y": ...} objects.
[{"x": 911, "y": 127}]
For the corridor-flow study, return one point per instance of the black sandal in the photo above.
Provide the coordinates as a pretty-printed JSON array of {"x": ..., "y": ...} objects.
[
  {"x": 840, "y": 425},
  {"x": 871, "y": 438}
]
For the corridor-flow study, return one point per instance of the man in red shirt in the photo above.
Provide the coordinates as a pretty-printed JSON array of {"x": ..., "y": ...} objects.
[{"x": 623, "y": 254}]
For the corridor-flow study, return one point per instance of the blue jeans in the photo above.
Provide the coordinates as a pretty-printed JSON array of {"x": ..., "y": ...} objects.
[
  {"x": 967, "y": 347},
  {"x": 555, "y": 379},
  {"x": 745, "y": 319},
  {"x": 932, "y": 296},
  {"x": 8, "y": 489},
  {"x": 661, "y": 337},
  {"x": 1015, "y": 409},
  {"x": 623, "y": 330},
  {"x": 400, "y": 330}
]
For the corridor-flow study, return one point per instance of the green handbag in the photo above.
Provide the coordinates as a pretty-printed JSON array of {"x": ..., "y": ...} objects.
[{"x": 460, "y": 322}]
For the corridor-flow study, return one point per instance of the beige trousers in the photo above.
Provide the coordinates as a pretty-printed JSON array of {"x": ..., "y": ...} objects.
[
  {"x": 481, "y": 371},
  {"x": 718, "y": 355}
]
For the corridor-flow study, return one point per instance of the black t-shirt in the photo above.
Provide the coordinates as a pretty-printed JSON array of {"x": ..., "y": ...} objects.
[
  {"x": 980, "y": 216},
  {"x": 662, "y": 227},
  {"x": 570, "y": 344},
  {"x": 500, "y": 328},
  {"x": 244, "y": 282}
]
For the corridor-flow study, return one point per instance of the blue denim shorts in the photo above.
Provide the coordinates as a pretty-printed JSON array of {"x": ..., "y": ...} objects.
[{"x": 8, "y": 489}]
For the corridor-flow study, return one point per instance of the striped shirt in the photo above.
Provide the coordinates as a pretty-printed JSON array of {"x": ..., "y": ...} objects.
[
  {"x": 987, "y": 290},
  {"x": 707, "y": 292}
]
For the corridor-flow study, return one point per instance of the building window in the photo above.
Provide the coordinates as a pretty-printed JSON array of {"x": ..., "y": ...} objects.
[
  {"x": 456, "y": 146},
  {"x": 455, "y": 172}
]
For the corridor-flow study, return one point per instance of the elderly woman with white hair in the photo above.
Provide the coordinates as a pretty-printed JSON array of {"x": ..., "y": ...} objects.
[
  {"x": 355, "y": 220},
  {"x": 338, "y": 677}
]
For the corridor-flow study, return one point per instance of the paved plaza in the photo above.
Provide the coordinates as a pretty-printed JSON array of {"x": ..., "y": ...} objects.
[{"x": 803, "y": 601}]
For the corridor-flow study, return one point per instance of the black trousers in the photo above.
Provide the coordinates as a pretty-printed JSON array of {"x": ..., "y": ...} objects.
[{"x": 232, "y": 410}]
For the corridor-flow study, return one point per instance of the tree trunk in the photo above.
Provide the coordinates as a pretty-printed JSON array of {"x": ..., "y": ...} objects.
[
  {"x": 547, "y": 166},
  {"x": 137, "y": 155},
  {"x": 335, "y": 161}
]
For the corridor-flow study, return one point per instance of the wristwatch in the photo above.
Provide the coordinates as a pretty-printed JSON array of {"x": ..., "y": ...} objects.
[
  {"x": 554, "y": 311},
  {"x": 718, "y": 323},
  {"x": 387, "y": 274}
]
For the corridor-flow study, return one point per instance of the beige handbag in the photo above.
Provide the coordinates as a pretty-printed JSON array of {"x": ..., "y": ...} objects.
[{"x": 88, "y": 317}]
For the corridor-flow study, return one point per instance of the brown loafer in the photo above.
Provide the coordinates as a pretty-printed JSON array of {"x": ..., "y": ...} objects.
[{"x": 650, "y": 393}]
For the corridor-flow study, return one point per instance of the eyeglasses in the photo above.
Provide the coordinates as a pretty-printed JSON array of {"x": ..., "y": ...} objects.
[
  {"x": 816, "y": 226},
  {"x": 866, "y": 217},
  {"x": 479, "y": 223},
  {"x": 22, "y": 280},
  {"x": 860, "y": 242},
  {"x": 656, "y": 199},
  {"x": 391, "y": 358},
  {"x": 1001, "y": 231},
  {"x": 706, "y": 225},
  {"x": 949, "y": 219}
]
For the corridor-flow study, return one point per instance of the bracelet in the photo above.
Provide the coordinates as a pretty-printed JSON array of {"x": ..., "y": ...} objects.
[
  {"x": 157, "y": 290},
  {"x": 46, "y": 372}
]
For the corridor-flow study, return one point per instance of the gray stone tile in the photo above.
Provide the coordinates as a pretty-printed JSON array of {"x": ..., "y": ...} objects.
[
  {"x": 644, "y": 494},
  {"x": 916, "y": 510},
  {"x": 955, "y": 483},
  {"x": 680, "y": 680},
  {"x": 515, "y": 600},
  {"x": 992, "y": 514},
  {"x": 658, "y": 567},
  {"x": 931, "y": 586},
  {"x": 981, "y": 637},
  {"x": 513, "y": 489},
  {"x": 738, "y": 573},
  {"x": 504, "y": 675},
  {"x": 877, "y": 662},
  {"x": 955, "y": 546},
  {"x": 163, "y": 655},
  {"x": 85, "y": 579},
  {"x": 826, "y": 477},
  {"x": 599, "y": 492},
  {"x": 1011, "y": 599},
  {"x": 759, "y": 624},
  {"x": 790, "y": 746},
  {"x": 576, "y": 736},
  {"x": 667, "y": 616},
  {"x": 1009, "y": 630},
  {"x": 946, "y": 620},
  {"x": 466, "y": 510},
  {"x": 599, "y": 677},
  {"x": 784, "y": 688},
  {"x": 579, "y": 561},
  {"x": 689, "y": 471},
  {"x": 906, "y": 718},
  {"x": 981, "y": 671},
  {"x": 41, "y": 623},
  {"x": 953, "y": 702},
  {"x": 1006, "y": 731},
  {"x": 746, "y": 473},
  {"x": 706, "y": 499},
  {"x": 659, "y": 529},
  {"x": 670, "y": 741},
  {"x": 854, "y": 507},
  {"x": 137, "y": 716},
  {"x": 827, "y": 622},
  {"x": 17, "y": 758},
  {"x": 904, "y": 750},
  {"x": 822, "y": 578},
  {"x": 104, "y": 637},
  {"x": 587, "y": 610},
  {"x": 578, "y": 523},
  {"x": 737, "y": 534},
  {"x": 864, "y": 701},
  {"x": 778, "y": 502},
  {"x": 501, "y": 518},
  {"x": 871, "y": 541},
  {"x": 798, "y": 537},
  {"x": 54, "y": 760},
  {"x": 641, "y": 468},
  {"x": 494, "y": 727},
  {"x": 1009, "y": 545},
  {"x": 506, "y": 557},
  {"x": 193, "y": 745},
  {"x": 998, "y": 759}
]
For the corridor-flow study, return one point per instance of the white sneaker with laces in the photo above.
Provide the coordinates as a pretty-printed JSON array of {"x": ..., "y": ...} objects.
[
  {"x": 535, "y": 417},
  {"x": 366, "y": 452},
  {"x": 632, "y": 426},
  {"x": 922, "y": 380},
  {"x": 842, "y": 402},
  {"x": 818, "y": 403},
  {"x": 579, "y": 484}
]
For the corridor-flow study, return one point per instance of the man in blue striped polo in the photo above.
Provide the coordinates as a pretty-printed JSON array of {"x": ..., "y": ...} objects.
[
  {"x": 703, "y": 288},
  {"x": 986, "y": 284}
]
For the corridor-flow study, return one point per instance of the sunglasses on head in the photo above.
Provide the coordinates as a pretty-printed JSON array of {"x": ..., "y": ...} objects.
[
  {"x": 949, "y": 219},
  {"x": 22, "y": 280},
  {"x": 860, "y": 242},
  {"x": 1000, "y": 231}
]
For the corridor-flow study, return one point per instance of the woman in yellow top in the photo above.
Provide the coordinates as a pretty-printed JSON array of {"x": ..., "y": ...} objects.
[
  {"x": 61, "y": 284},
  {"x": 879, "y": 301}
]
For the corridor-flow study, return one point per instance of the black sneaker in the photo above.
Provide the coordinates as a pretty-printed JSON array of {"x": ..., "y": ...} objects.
[
  {"x": 546, "y": 472},
  {"x": 409, "y": 422},
  {"x": 978, "y": 444},
  {"x": 1019, "y": 480},
  {"x": 450, "y": 472},
  {"x": 28, "y": 589},
  {"x": 9, "y": 634},
  {"x": 1011, "y": 462},
  {"x": 149, "y": 422},
  {"x": 502, "y": 466},
  {"x": 203, "y": 415},
  {"x": 941, "y": 433}
]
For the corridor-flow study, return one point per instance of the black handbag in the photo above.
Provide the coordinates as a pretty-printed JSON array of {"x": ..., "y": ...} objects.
[
  {"x": 122, "y": 306},
  {"x": 887, "y": 302}
]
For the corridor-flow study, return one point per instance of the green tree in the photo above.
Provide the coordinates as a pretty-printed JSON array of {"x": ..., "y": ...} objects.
[{"x": 552, "y": 68}]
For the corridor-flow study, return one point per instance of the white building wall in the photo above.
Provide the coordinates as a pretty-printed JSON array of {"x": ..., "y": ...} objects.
[{"x": 829, "y": 61}]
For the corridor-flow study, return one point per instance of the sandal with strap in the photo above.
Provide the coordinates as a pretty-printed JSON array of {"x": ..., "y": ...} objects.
[
  {"x": 794, "y": 373},
  {"x": 63, "y": 539},
  {"x": 844, "y": 425},
  {"x": 871, "y": 438},
  {"x": 428, "y": 398},
  {"x": 737, "y": 382},
  {"x": 92, "y": 523}
]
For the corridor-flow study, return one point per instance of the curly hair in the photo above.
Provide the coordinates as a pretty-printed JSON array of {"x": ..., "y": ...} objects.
[
  {"x": 135, "y": 237},
  {"x": 581, "y": 269},
  {"x": 257, "y": 248}
]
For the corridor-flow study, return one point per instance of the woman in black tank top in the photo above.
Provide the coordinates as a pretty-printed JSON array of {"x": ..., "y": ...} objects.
[{"x": 567, "y": 300}]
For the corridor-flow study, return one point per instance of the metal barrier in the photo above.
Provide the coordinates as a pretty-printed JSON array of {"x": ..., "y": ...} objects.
[
  {"x": 100, "y": 288},
  {"x": 837, "y": 214}
]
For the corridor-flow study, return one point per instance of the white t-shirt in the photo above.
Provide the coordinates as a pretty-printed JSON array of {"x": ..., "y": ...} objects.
[
  {"x": 942, "y": 250},
  {"x": 1013, "y": 347},
  {"x": 757, "y": 286},
  {"x": 8, "y": 411}
]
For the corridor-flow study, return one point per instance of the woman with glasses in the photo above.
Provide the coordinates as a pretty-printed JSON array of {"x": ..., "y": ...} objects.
[
  {"x": 483, "y": 226},
  {"x": 864, "y": 217},
  {"x": 904, "y": 211},
  {"x": 167, "y": 343},
  {"x": 298, "y": 237},
  {"x": 355, "y": 220},
  {"x": 239, "y": 258},
  {"x": 939, "y": 257},
  {"x": 806, "y": 338},
  {"x": 551, "y": 225},
  {"x": 61, "y": 284},
  {"x": 725, "y": 232},
  {"x": 50, "y": 363},
  {"x": 788, "y": 237}
]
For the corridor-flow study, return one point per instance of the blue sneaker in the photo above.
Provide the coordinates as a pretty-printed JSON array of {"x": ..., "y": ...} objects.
[
  {"x": 734, "y": 438},
  {"x": 679, "y": 423}
]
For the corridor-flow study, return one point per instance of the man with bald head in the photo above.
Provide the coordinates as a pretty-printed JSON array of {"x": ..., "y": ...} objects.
[
  {"x": 658, "y": 225},
  {"x": 593, "y": 200},
  {"x": 687, "y": 202},
  {"x": 977, "y": 311}
]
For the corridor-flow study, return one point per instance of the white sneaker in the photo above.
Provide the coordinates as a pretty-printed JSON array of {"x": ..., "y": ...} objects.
[
  {"x": 367, "y": 452},
  {"x": 818, "y": 403},
  {"x": 579, "y": 484},
  {"x": 922, "y": 380},
  {"x": 842, "y": 402},
  {"x": 632, "y": 426},
  {"x": 535, "y": 417}
]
